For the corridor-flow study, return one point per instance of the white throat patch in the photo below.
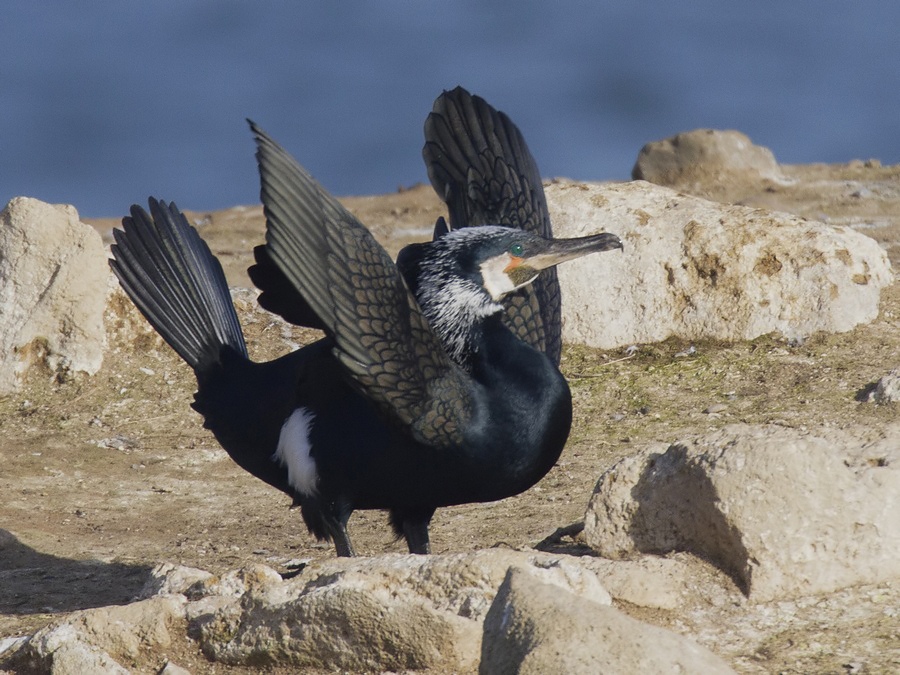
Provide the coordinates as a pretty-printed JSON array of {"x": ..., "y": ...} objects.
[
  {"x": 294, "y": 452},
  {"x": 495, "y": 280}
]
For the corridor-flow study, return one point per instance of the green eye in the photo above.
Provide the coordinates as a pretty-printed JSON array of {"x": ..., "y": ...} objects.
[{"x": 516, "y": 250}]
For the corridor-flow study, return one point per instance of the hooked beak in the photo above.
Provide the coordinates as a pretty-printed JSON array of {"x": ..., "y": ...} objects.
[{"x": 561, "y": 250}]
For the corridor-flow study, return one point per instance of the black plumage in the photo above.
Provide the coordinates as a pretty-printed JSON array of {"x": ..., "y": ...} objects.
[{"x": 414, "y": 399}]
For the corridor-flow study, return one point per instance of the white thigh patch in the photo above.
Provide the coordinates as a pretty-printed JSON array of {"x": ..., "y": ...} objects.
[{"x": 294, "y": 452}]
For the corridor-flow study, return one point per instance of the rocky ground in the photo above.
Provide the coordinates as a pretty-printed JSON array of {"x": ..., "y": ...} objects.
[{"x": 103, "y": 477}]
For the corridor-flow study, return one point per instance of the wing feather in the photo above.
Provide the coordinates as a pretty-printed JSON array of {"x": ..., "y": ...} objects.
[
  {"x": 479, "y": 164},
  {"x": 349, "y": 282}
]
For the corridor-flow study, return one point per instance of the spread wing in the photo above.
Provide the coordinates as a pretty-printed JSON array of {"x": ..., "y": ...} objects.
[
  {"x": 480, "y": 166},
  {"x": 354, "y": 289}
]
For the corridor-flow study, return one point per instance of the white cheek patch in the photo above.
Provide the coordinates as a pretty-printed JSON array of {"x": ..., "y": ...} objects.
[
  {"x": 294, "y": 452},
  {"x": 495, "y": 280}
]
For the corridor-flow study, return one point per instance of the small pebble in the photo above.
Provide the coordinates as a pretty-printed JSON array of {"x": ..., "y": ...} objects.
[
  {"x": 9, "y": 643},
  {"x": 173, "y": 669},
  {"x": 116, "y": 443}
]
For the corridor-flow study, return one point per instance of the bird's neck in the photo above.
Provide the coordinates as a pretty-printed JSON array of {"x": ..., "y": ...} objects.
[{"x": 457, "y": 309}]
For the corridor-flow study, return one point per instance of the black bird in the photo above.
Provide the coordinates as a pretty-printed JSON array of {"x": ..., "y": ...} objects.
[{"x": 409, "y": 402}]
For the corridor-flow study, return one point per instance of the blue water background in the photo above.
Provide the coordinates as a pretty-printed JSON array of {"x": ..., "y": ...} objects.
[{"x": 103, "y": 103}]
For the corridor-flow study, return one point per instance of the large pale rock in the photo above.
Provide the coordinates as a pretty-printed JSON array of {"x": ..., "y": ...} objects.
[
  {"x": 53, "y": 281},
  {"x": 232, "y": 584},
  {"x": 63, "y": 652},
  {"x": 533, "y": 627},
  {"x": 650, "y": 581},
  {"x": 97, "y": 640},
  {"x": 697, "y": 269},
  {"x": 170, "y": 579},
  {"x": 784, "y": 512},
  {"x": 708, "y": 162},
  {"x": 388, "y": 613}
]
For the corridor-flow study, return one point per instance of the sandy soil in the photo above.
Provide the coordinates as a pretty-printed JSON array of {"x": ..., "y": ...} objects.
[{"x": 104, "y": 477}]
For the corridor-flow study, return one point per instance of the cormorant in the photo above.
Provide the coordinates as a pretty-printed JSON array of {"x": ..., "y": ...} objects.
[{"x": 414, "y": 399}]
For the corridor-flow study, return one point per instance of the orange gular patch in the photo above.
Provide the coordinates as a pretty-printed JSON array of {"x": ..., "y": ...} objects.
[{"x": 514, "y": 262}]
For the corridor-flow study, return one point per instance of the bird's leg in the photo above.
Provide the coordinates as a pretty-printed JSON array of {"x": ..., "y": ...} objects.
[
  {"x": 416, "y": 533},
  {"x": 327, "y": 519},
  {"x": 341, "y": 539},
  {"x": 335, "y": 516},
  {"x": 414, "y": 527}
]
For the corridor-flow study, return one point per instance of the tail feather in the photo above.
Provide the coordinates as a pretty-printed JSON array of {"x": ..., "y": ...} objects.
[{"x": 177, "y": 283}]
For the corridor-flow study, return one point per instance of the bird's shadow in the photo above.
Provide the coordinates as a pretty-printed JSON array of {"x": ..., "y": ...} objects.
[{"x": 32, "y": 582}]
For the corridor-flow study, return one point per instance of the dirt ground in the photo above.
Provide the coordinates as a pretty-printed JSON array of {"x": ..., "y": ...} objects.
[{"x": 103, "y": 477}]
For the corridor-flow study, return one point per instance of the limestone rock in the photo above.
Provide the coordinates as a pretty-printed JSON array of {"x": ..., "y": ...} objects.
[
  {"x": 697, "y": 269},
  {"x": 169, "y": 579},
  {"x": 234, "y": 583},
  {"x": 708, "y": 162},
  {"x": 786, "y": 513},
  {"x": 53, "y": 275},
  {"x": 96, "y": 640},
  {"x": 651, "y": 581},
  {"x": 887, "y": 390},
  {"x": 393, "y": 612},
  {"x": 63, "y": 652},
  {"x": 533, "y": 627}
]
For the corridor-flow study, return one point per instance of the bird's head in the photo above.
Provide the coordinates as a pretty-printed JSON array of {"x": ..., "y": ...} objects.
[
  {"x": 503, "y": 259},
  {"x": 461, "y": 276}
]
